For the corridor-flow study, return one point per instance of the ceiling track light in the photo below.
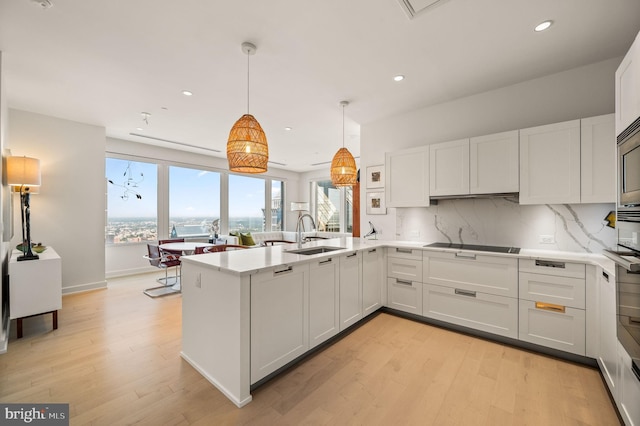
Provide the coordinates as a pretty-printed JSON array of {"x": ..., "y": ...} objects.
[{"x": 45, "y": 4}]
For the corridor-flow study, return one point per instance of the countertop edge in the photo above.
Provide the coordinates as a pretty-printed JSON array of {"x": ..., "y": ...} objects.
[{"x": 279, "y": 256}]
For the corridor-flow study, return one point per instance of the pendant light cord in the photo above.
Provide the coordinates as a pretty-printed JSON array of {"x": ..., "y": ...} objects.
[
  {"x": 343, "y": 125},
  {"x": 248, "y": 82}
]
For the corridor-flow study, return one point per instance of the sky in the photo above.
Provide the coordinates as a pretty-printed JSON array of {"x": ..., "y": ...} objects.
[{"x": 192, "y": 192}]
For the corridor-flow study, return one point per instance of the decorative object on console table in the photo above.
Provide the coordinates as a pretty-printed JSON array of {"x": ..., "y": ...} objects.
[
  {"x": 375, "y": 203},
  {"x": 35, "y": 288},
  {"x": 23, "y": 174},
  {"x": 375, "y": 177}
]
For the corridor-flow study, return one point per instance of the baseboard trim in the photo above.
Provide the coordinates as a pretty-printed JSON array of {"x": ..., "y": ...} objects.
[{"x": 84, "y": 287}]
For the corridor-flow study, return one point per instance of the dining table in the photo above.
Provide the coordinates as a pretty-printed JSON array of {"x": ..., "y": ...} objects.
[{"x": 186, "y": 248}]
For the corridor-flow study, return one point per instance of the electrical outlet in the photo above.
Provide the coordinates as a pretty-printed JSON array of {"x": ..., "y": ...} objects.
[
  {"x": 414, "y": 233},
  {"x": 547, "y": 239}
]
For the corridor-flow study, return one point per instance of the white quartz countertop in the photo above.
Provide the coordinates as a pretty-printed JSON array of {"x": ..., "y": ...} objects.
[{"x": 252, "y": 260}]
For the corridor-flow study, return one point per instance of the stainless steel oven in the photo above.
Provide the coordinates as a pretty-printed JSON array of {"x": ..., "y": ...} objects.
[
  {"x": 627, "y": 256},
  {"x": 629, "y": 166}
]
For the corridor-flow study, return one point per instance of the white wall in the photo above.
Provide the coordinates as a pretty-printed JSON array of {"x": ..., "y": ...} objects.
[
  {"x": 582, "y": 92},
  {"x": 68, "y": 212},
  {"x": 126, "y": 259}
]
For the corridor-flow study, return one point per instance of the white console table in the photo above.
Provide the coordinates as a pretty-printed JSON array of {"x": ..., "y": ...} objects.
[{"x": 35, "y": 287}]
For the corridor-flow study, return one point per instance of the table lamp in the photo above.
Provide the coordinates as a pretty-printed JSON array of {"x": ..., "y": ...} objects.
[
  {"x": 23, "y": 174},
  {"x": 299, "y": 206}
]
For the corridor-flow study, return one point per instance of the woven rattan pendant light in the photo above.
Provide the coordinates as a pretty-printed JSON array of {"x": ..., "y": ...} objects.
[
  {"x": 343, "y": 166},
  {"x": 247, "y": 149}
]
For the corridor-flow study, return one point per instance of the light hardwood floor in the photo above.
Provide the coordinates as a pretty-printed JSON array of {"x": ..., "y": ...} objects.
[{"x": 115, "y": 359}]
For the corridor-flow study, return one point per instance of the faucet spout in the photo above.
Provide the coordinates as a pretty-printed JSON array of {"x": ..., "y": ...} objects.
[{"x": 302, "y": 216}]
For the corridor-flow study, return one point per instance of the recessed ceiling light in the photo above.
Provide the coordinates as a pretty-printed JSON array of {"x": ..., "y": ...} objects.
[
  {"x": 187, "y": 93},
  {"x": 398, "y": 78},
  {"x": 288, "y": 128},
  {"x": 139, "y": 129},
  {"x": 543, "y": 26}
]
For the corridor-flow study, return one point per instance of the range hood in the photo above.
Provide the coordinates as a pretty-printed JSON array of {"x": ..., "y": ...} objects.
[{"x": 465, "y": 196}]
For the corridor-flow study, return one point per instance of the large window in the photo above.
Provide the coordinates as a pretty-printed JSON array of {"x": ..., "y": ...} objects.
[
  {"x": 333, "y": 207},
  {"x": 246, "y": 204},
  {"x": 277, "y": 205},
  {"x": 194, "y": 202},
  {"x": 132, "y": 200},
  {"x": 147, "y": 201}
]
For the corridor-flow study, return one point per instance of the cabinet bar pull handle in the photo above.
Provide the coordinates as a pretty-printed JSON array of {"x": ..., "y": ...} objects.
[
  {"x": 372, "y": 250},
  {"x": 550, "y": 307},
  {"x": 323, "y": 262},
  {"x": 352, "y": 254},
  {"x": 605, "y": 276},
  {"x": 550, "y": 264},
  {"x": 634, "y": 320},
  {"x": 404, "y": 282},
  {"x": 282, "y": 271},
  {"x": 403, "y": 250},
  {"x": 466, "y": 256},
  {"x": 465, "y": 293}
]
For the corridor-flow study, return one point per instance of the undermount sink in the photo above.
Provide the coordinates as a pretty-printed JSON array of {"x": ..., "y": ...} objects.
[{"x": 314, "y": 250}]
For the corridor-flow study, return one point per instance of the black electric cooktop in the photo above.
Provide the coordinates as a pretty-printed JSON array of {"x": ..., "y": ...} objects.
[{"x": 495, "y": 249}]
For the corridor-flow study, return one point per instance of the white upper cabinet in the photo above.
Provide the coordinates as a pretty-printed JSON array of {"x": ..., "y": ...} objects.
[
  {"x": 628, "y": 88},
  {"x": 449, "y": 168},
  {"x": 598, "y": 159},
  {"x": 407, "y": 177},
  {"x": 493, "y": 164},
  {"x": 550, "y": 164}
]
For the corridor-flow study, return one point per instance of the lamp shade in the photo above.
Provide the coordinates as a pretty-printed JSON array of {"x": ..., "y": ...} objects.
[
  {"x": 247, "y": 149},
  {"x": 23, "y": 171},
  {"x": 343, "y": 168},
  {"x": 299, "y": 206}
]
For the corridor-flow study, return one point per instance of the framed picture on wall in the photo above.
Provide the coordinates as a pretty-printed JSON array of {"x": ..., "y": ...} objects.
[
  {"x": 375, "y": 203},
  {"x": 375, "y": 177}
]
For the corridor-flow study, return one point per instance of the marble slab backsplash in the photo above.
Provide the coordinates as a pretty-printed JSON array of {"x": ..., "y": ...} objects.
[{"x": 504, "y": 222}]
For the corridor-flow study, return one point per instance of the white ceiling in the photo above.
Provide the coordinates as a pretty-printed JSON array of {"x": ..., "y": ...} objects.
[{"x": 105, "y": 62}]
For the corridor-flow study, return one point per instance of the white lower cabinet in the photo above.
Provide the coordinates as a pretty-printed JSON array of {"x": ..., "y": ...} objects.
[
  {"x": 324, "y": 300},
  {"x": 279, "y": 318},
  {"x": 472, "y": 271},
  {"x": 480, "y": 311},
  {"x": 404, "y": 280},
  {"x": 607, "y": 340},
  {"x": 555, "y": 327},
  {"x": 350, "y": 289},
  {"x": 552, "y": 304},
  {"x": 404, "y": 295},
  {"x": 372, "y": 280}
]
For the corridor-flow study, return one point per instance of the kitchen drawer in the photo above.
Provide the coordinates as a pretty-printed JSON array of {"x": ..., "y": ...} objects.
[
  {"x": 404, "y": 269},
  {"x": 404, "y": 295},
  {"x": 405, "y": 253},
  {"x": 480, "y": 311},
  {"x": 552, "y": 267},
  {"x": 552, "y": 289},
  {"x": 558, "y": 330},
  {"x": 471, "y": 271}
]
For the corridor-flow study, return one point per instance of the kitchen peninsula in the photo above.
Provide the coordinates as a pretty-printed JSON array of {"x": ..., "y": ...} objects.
[{"x": 249, "y": 313}]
